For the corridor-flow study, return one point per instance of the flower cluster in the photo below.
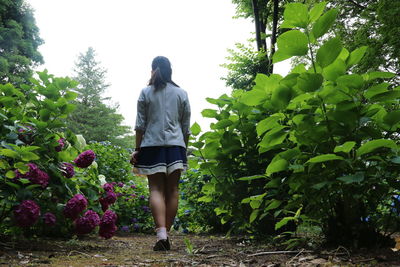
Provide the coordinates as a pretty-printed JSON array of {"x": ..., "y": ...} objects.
[
  {"x": 35, "y": 175},
  {"x": 61, "y": 145},
  {"x": 107, "y": 224},
  {"x": 27, "y": 213},
  {"x": 74, "y": 206},
  {"x": 87, "y": 222},
  {"x": 49, "y": 219},
  {"x": 85, "y": 159},
  {"x": 109, "y": 198},
  {"x": 67, "y": 169}
]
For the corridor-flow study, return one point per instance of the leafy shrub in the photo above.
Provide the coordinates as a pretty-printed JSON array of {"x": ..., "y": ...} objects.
[{"x": 328, "y": 138}]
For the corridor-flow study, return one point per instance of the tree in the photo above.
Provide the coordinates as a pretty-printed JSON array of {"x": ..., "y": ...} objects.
[
  {"x": 375, "y": 24},
  {"x": 19, "y": 41},
  {"x": 94, "y": 119}
]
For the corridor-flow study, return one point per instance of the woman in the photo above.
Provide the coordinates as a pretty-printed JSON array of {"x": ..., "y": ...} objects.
[{"x": 162, "y": 133}]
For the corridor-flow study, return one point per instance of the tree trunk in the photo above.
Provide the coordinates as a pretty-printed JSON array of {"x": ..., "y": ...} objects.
[
  {"x": 273, "y": 35},
  {"x": 256, "y": 12}
]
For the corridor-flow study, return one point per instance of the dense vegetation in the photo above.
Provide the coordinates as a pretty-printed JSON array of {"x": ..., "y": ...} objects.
[{"x": 315, "y": 149}]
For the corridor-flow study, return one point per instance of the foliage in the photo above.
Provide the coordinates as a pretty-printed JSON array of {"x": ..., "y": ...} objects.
[
  {"x": 194, "y": 215},
  {"x": 92, "y": 118},
  {"x": 244, "y": 64},
  {"x": 327, "y": 139},
  {"x": 35, "y": 145},
  {"x": 19, "y": 41},
  {"x": 373, "y": 24}
]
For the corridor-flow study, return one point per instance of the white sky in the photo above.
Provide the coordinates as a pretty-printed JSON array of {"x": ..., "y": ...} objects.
[{"x": 128, "y": 34}]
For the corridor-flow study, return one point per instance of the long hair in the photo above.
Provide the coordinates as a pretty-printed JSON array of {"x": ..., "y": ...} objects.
[{"x": 162, "y": 73}]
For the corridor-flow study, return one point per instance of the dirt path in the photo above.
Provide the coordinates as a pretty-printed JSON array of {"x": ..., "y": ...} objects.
[{"x": 136, "y": 250}]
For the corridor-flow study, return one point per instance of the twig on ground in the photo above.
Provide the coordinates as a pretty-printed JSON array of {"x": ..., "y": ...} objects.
[
  {"x": 69, "y": 254},
  {"x": 279, "y": 252},
  {"x": 301, "y": 251},
  {"x": 362, "y": 260},
  {"x": 343, "y": 248}
]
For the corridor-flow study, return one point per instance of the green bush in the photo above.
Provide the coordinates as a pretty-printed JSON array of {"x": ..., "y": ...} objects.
[{"x": 328, "y": 137}]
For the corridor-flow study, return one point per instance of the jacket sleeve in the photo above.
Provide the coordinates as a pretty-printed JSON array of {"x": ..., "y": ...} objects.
[
  {"x": 141, "y": 115},
  {"x": 185, "y": 122}
]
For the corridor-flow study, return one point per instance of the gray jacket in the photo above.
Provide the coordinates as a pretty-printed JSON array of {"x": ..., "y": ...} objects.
[{"x": 163, "y": 115}]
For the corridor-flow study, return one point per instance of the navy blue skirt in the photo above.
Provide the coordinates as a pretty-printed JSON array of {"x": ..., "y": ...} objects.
[{"x": 164, "y": 159}]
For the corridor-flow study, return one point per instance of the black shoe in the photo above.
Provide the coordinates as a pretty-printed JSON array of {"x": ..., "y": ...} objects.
[{"x": 162, "y": 245}]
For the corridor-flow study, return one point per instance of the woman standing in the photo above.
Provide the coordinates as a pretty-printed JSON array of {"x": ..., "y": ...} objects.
[{"x": 162, "y": 133}]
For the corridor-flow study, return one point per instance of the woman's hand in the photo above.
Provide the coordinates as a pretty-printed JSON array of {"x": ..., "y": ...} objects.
[{"x": 134, "y": 157}]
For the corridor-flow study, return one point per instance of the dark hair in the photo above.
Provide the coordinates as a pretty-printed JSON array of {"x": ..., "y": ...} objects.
[{"x": 162, "y": 73}]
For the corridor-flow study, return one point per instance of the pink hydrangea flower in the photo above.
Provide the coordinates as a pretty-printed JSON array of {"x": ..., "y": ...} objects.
[
  {"x": 27, "y": 213},
  {"x": 85, "y": 159},
  {"x": 49, "y": 219},
  {"x": 61, "y": 145},
  {"x": 74, "y": 206},
  {"x": 67, "y": 169}
]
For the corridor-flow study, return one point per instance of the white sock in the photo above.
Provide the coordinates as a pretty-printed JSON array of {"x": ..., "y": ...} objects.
[{"x": 161, "y": 233}]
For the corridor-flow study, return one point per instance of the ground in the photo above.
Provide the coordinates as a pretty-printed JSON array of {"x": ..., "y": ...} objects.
[{"x": 136, "y": 250}]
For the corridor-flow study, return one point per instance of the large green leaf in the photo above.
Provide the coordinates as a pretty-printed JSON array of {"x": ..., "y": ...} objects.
[
  {"x": 9, "y": 153},
  {"x": 346, "y": 147},
  {"x": 356, "y": 55},
  {"x": 296, "y": 14},
  {"x": 378, "y": 75},
  {"x": 392, "y": 118},
  {"x": 273, "y": 139},
  {"x": 386, "y": 96},
  {"x": 334, "y": 70},
  {"x": 253, "y": 97},
  {"x": 209, "y": 113},
  {"x": 354, "y": 178},
  {"x": 352, "y": 81},
  {"x": 375, "y": 144},
  {"x": 195, "y": 129},
  {"x": 277, "y": 166},
  {"x": 281, "y": 97},
  {"x": 316, "y": 11},
  {"x": 29, "y": 156},
  {"x": 376, "y": 90},
  {"x": 267, "y": 124},
  {"x": 323, "y": 158},
  {"x": 291, "y": 43},
  {"x": 309, "y": 82},
  {"x": 328, "y": 52},
  {"x": 273, "y": 205},
  {"x": 323, "y": 24},
  {"x": 222, "y": 124}
]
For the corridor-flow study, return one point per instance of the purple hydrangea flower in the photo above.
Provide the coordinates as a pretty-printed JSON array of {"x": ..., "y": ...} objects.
[
  {"x": 107, "y": 231},
  {"x": 108, "y": 187},
  {"x": 35, "y": 175},
  {"x": 85, "y": 159},
  {"x": 67, "y": 169},
  {"x": 87, "y": 222},
  {"x": 134, "y": 220},
  {"x": 61, "y": 144},
  {"x": 146, "y": 209},
  {"x": 109, "y": 199},
  {"x": 133, "y": 186},
  {"x": 27, "y": 213},
  {"x": 142, "y": 197},
  {"x": 107, "y": 224},
  {"x": 49, "y": 219},
  {"x": 121, "y": 184},
  {"x": 136, "y": 227},
  {"x": 74, "y": 206},
  {"x": 125, "y": 228}
]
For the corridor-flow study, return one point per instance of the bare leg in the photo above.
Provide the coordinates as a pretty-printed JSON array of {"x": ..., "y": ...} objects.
[
  {"x": 157, "y": 198},
  {"x": 171, "y": 197}
]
